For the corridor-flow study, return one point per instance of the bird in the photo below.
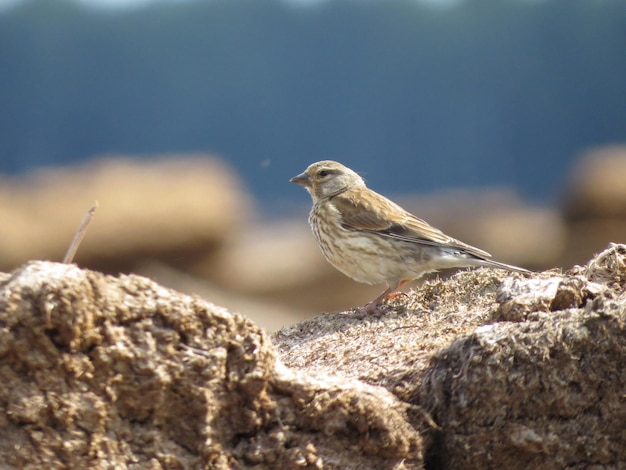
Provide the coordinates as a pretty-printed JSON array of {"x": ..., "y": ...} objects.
[{"x": 373, "y": 240}]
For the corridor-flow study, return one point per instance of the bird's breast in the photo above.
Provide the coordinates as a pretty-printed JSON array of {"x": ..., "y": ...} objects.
[{"x": 362, "y": 256}]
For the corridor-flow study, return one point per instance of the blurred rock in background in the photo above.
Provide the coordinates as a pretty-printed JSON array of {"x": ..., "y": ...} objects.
[
  {"x": 281, "y": 261},
  {"x": 594, "y": 203},
  {"x": 188, "y": 223},
  {"x": 172, "y": 208}
]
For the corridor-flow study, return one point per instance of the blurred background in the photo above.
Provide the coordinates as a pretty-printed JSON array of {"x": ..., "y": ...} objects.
[{"x": 503, "y": 122}]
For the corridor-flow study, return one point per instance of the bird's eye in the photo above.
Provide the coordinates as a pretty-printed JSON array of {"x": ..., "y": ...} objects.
[{"x": 323, "y": 173}]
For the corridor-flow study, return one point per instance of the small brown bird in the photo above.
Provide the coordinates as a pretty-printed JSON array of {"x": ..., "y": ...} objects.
[{"x": 372, "y": 239}]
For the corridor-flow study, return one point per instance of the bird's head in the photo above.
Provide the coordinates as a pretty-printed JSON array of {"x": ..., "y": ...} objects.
[{"x": 327, "y": 178}]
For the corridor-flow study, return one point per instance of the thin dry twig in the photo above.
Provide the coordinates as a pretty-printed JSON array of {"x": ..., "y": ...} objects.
[{"x": 80, "y": 233}]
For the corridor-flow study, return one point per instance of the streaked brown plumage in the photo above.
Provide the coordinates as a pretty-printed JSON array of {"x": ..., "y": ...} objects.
[{"x": 372, "y": 239}]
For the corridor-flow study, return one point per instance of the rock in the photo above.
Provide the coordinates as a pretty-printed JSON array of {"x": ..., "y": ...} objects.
[
  {"x": 594, "y": 203},
  {"x": 609, "y": 267},
  {"x": 595, "y": 187},
  {"x": 518, "y": 298},
  {"x": 103, "y": 372},
  {"x": 542, "y": 391},
  {"x": 173, "y": 208},
  {"x": 548, "y": 395}
]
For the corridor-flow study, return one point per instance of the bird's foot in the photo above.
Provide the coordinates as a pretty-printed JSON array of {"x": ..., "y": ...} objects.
[
  {"x": 395, "y": 295},
  {"x": 371, "y": 307},
  {"x": 378, "y": 304}
]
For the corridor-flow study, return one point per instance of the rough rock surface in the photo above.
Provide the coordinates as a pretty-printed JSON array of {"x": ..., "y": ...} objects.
[
  {"x": 103, "y": 372},
  {"x": 502, "y": 370},
  {"x": 486, "y": 369},
  {"x": 546, "y": 392}
]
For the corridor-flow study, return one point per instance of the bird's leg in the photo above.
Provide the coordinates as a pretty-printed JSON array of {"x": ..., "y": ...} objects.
[
  {"x": 388, "y": 294},
  {"x": 379, "y": 299},
  {"x": 393, "y": 295}
]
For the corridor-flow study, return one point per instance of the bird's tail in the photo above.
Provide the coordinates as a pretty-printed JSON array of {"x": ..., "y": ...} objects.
[{"x": 496, "y": 264}]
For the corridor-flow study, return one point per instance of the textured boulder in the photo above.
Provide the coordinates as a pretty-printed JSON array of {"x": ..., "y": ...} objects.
[
  {"x": 101, "y": 372},
  {"x": 503, "y": 371}
]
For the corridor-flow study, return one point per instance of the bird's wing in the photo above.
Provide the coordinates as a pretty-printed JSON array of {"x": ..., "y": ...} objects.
[{"x": 368, "y": 211}]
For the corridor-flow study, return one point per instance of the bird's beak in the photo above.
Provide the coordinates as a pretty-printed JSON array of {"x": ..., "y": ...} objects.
[{"x": 302, "y": 179}]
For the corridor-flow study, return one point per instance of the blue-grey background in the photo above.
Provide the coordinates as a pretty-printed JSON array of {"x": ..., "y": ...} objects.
[{"x": 414, "y": 96}]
